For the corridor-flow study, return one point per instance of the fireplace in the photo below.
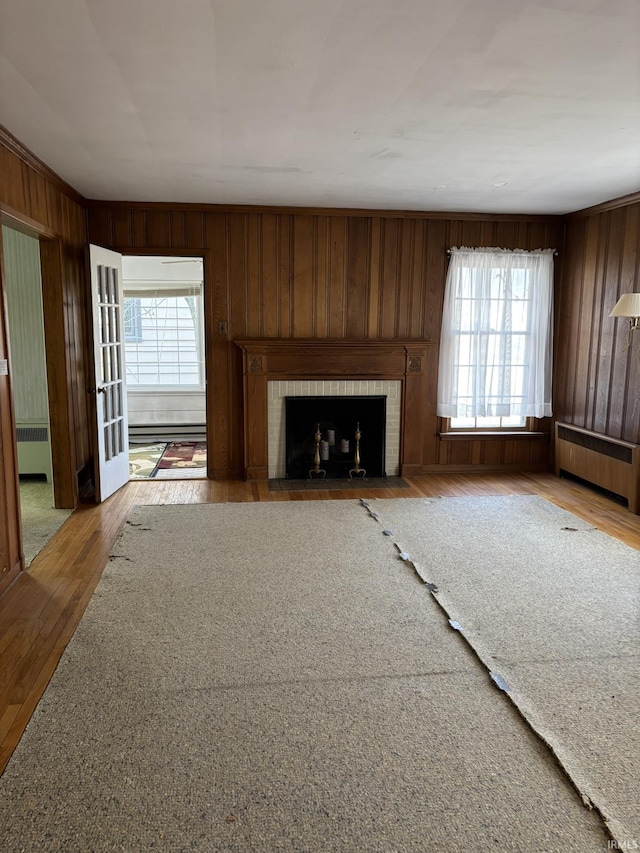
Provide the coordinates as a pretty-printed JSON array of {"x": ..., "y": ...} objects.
[
  {"x": 333, "y": 425},
  {"x": 275, "y": 368}
]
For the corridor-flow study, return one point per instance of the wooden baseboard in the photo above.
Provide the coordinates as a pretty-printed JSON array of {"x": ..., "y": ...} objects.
[
  {"x": 225, "y": 474},
  {"x": 259, "y": 472},
  {"x": 511, "y": 468}
]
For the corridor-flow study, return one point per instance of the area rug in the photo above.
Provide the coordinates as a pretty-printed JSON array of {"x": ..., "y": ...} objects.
[
  {"x": 275, "y": 676},
  {"x": 168, "y": 460},
  {"x": 551, "y": 606},
  {"x": 183, "y": 459},
  {"x": 144, "y": 459}
]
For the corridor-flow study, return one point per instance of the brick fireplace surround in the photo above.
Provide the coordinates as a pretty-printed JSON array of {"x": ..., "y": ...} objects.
[{"x": 280, "y": 360}]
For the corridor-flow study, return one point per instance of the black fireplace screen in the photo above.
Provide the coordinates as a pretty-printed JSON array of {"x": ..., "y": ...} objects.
[{"x": 338, "y": 419}]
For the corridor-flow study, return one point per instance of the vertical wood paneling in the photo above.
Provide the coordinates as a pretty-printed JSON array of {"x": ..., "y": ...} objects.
[
  {"x": 303, "y": 295},
  {"x": 338, "y": 276},
  {"x": 417, "y": 288},
  {"x": 237, "y": 253},
  {"x": 358, "y": 257},
  {"x": 390, "y": 276},
  {"x": 321, "y": 313},
  {"x": 193, "y": 230},
  {"x": 315, "y": 275},
  {"x": 596, "y": 382},
  {"x": 566, "y": 338},
  {"x": 471, "y": 233},
  {"x": 434, "y": 276},
  {"x": 506, "y": 234},
  {"x": 596, "y": 405},
  {"x": 405, "y": 282},
  {"x": 177, "y": 229},
  {"x": 602, "y": 386},
  {"x": 62, "y": 362},
  {"x": 488, "y": 234},
  {"x": 630, "y": 281},
  {"x": 138, "y": 228},
  {"x": 587, "y": 290},
  {"x": 122, "y": 229},
  {"x": 285, "y": 271},
  {"x": 158, "y": 224},
  {"x": 269, "y": 296},
  {"x": 254, "y": 282},
  {"x": 375, "y": 270}
]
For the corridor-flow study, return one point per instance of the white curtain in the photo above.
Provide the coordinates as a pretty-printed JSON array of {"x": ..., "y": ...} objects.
[{"x": 495, "y": 346}]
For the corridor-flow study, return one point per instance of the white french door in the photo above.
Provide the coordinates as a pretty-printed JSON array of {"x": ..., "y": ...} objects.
[{"x": 112, "y": 468}]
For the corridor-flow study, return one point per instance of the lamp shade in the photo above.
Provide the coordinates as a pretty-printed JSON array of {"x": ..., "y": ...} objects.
[{"x": 627, "y": 306}]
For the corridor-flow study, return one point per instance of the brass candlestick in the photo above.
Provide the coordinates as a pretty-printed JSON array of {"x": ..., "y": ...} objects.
[
  {"x": 317, "y": 470},
  {"x": 357, "y": 470}
]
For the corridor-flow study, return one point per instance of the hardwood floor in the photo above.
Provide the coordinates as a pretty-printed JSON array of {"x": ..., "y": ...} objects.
[{"x": 40, "y": 612}]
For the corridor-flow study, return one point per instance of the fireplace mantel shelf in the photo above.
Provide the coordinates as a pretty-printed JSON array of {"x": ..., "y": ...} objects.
[
  {"x": 264, "y": 359},
  {"x": 324, "y": 343},
  {"x": 309, "y": 347}
]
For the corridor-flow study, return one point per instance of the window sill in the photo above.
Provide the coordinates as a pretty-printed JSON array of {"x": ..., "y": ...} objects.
[{"x": 491, "y": 435}]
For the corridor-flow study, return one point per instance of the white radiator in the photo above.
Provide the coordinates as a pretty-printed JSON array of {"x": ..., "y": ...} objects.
[{"x": 34, "y": 449}]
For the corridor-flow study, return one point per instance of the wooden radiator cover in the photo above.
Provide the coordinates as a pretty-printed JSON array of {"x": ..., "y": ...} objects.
[{"x": 607, "y": 462}]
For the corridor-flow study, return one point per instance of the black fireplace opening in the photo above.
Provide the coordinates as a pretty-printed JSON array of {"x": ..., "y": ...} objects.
[{"x": 338, "y": 419}]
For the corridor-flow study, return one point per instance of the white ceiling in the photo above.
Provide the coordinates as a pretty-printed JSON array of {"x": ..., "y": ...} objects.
[{"x": 460, "y": 105}]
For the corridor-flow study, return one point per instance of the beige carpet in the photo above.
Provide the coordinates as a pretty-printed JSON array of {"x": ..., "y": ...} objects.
[
  {"x": 262, "y": 677},
  {"x": 551, "y": 604}
]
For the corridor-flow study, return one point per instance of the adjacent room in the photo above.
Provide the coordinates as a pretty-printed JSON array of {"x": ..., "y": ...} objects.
[
  {"x": 320, "y": 342},
  {"x": 38, "y": 515},
  {"x": 164, "y": 359}
]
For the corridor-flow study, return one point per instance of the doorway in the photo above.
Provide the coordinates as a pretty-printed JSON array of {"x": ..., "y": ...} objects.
[
  {"x": 25, "y": 317},
  {"x": 165, "y": 366}
]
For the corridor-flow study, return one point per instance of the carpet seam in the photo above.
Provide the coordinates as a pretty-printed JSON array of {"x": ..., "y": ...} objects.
[
  {"x": 156, "y": 467},
  {"x": 261, "y": 685}
]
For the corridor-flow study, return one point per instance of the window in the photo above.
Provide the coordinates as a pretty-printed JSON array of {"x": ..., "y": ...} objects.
[
  {"x": 132, "y": 319},
  {"x": 495, "y": 347},
  {"x": 512, "y": 422},
  {"x": 164, "y": 335}
]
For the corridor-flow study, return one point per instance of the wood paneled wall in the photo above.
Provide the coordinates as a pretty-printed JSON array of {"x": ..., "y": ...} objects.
[
  {"x": 36, "y": 201},
  {"x": 597, "y": 382},
  {"x": 320, "y": 274}
]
